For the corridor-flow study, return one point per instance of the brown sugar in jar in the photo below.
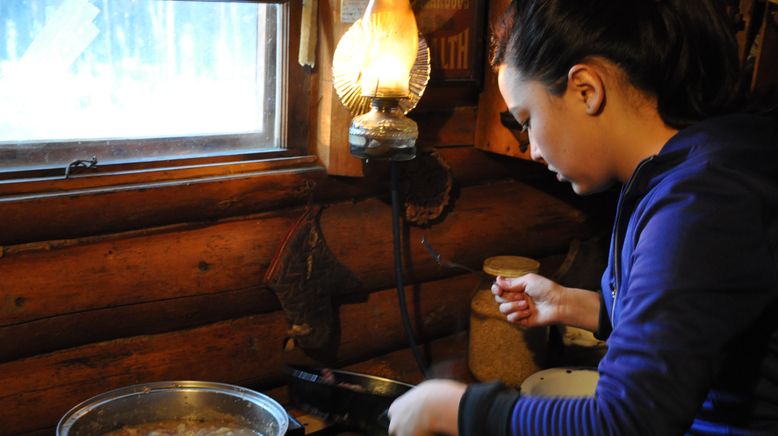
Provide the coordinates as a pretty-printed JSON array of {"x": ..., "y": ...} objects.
[{"x": 498, "y": 349}]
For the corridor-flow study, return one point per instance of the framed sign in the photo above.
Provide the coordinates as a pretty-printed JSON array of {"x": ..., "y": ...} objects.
[{"x": 454, "y": 30}]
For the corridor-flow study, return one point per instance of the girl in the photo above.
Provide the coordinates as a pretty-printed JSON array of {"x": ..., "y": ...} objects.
[{"x": 643, "y": 93}]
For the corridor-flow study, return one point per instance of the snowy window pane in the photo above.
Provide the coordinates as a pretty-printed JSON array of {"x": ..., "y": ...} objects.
[{"x": 93, "y": 71}]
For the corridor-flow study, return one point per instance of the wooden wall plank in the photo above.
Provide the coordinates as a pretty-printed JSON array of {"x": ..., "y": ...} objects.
[
  {"x": 61, "y": 215},
  {"x": 39, "y": 390},
  {"x": 488, "y": 220},
  {"x": 469, "y": 166},
  {"x": 234, "y": 255},
  {"x": 146, "y": 173},
  {"x": 302, "y": 86},
  {"x": 68, "y": 330},
  {"x": 331, "y": 119},
  {"x": 166, "y": 281},
  {"x": 115, "y": 209},
  {"x": 490, "y": 134},
  {"x": 79, "y": 328},
  {"x": 36, "y": 392},
  {"x": 228, "y": 256}
]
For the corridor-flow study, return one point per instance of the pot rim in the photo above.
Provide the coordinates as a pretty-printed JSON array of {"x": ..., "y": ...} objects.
[{"x": 86, "y": 406}]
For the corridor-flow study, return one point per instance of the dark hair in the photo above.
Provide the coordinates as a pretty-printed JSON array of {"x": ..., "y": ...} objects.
[{"x": 683, "y": 52}]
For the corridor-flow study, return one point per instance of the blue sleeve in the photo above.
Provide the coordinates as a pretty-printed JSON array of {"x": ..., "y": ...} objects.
[
  {"x": 700, "y": 274},
  {"x": 485, "y": 409}
]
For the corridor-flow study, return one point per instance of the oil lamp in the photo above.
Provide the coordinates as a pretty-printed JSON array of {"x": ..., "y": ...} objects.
[{"x": 380, "y": 69}]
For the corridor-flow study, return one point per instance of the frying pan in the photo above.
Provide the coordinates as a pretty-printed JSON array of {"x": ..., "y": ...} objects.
[{"x": 357, "y": 401}]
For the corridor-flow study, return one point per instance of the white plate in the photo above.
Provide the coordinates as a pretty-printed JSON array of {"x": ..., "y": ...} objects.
[{"x": 561, "y": 382}]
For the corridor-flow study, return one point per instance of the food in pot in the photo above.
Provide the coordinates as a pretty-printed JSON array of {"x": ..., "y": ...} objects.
[{"x": 186, "y": 428}]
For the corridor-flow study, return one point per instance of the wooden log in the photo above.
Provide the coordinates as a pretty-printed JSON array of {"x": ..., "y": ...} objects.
[
  {"x": 160, "y": 282},
  {"x": 129, "y": 174},
  {"x": 35, "y": 392},
  {"x": 84, "y": 327},
  {"x": 78, "y": 328},
  {"x": 39, "y": 390},
  {"x": 62, "y": 215},
  {"x": 469, "y": 167},
  {"x": 488, "y": 220},
  {"x": 109, "y": 273},
  {"x": 65, "y": 215},
  {"x": 233, "y": 255}
]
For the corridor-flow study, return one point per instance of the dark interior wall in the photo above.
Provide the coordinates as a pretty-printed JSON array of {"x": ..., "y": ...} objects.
[
  {"x": 105, "y": 286},
  {"x": 187, "y": 301}
]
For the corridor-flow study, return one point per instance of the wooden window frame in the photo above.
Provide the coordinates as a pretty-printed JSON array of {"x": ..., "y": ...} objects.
[{"x": 43, "y": 205}]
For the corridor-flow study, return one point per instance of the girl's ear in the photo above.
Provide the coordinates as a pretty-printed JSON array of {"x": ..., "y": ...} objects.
[{"x": 587, "y": 87}]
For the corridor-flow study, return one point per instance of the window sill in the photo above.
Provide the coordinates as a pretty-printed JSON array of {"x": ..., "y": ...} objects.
[
  {"x": 48, "y": 181},
  {"x": 131, "y": 199}
]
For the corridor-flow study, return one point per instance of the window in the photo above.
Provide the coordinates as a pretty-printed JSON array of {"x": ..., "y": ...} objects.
[{"x": 139, "y": 80}]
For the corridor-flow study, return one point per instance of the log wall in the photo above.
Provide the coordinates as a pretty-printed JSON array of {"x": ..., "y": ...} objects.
[{"x": 150, "y": 297}]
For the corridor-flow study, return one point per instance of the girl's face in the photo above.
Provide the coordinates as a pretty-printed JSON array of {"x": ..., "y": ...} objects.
[{"x": 562, "y": 134}]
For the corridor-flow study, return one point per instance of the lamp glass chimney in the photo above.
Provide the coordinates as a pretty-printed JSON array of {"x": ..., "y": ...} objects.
[{"x": 391, "y": 40}]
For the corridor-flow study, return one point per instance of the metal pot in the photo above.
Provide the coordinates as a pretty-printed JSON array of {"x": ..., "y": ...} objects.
[{"x": 169, "y": 400}]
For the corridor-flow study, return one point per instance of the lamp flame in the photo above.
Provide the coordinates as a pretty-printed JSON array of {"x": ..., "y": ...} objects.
[{"x": 388, "y": 49}]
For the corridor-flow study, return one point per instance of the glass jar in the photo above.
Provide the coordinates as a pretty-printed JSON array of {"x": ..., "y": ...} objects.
[{"x": 498, "y": 349}]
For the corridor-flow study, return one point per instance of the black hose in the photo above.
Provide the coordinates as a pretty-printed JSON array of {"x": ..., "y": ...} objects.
[{"x": 398, "y": 271}]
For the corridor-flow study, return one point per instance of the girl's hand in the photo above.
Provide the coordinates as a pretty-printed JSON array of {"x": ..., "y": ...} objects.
[
  {"x": 530, "y": 300},
  {"x": 430, "y": 408}
]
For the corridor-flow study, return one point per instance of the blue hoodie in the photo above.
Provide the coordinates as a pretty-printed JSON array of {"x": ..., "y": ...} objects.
[{"x": 689, "y": 300}]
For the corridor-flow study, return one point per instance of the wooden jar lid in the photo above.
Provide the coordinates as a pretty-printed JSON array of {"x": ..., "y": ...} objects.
[
  {"x": 498, "y": 349},
  {"x": 510, "y": 266},
  {"x": 483, "y": 302}
]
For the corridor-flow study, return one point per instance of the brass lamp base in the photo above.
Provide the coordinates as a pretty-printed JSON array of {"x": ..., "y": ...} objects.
[{"x": 383, "y": 133}]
